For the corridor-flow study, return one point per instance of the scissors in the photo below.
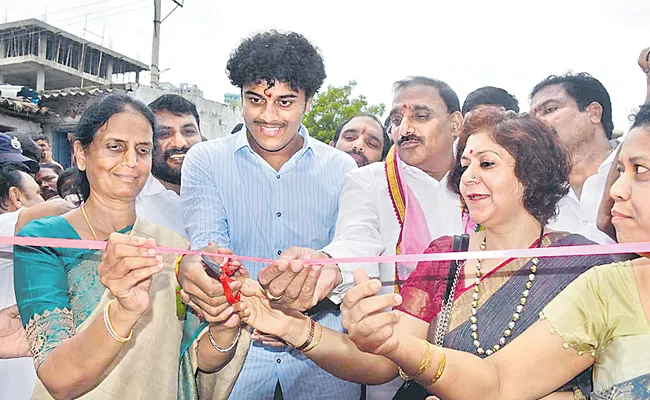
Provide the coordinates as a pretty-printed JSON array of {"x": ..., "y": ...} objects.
[{"x": 222, "y": 273}]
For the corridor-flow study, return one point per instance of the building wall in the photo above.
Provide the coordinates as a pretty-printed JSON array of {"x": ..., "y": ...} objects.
[
  {"x": 217, "y": 119},
  {"x": 10, "y": 123}
]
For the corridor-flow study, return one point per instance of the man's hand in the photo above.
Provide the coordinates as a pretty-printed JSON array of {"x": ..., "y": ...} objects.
[
  {"x": 287, "y": 278},
  {"x": 13, "y": 342},
  {"x": 205, "y": 294}
]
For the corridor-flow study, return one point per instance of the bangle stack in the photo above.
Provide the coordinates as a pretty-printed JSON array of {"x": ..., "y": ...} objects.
[
  {"x": 216, "y": 346},
  {"x": 315, "y": 331},
  {"x": 427, "y": 355},
  {"x": 441, "y": 365},
  {"x": 424, "y": 363},
  {"x": 109, "y": 325}
]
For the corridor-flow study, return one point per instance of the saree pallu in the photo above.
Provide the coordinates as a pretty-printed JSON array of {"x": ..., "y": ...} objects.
[
  {"x": 59, "y": 294},
  {"x": 501, "y": 291}
]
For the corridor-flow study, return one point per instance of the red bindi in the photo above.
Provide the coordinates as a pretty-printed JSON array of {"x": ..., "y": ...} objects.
[
  {"x": 471, "y": 151},
  {"x": 267, "y": 92}
]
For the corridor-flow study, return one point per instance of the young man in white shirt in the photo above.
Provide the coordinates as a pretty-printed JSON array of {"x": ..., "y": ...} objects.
[
  {"x": 579, "y": 108},
  {"x": 178, "y": 129}
]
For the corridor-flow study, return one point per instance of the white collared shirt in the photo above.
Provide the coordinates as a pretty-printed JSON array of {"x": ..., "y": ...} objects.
[
  {"x": 367, "y": 224},
  {"x": 17, "y": 375},
  {"x": 580, "y": 215},
  {"x": 160, "y": 206}
]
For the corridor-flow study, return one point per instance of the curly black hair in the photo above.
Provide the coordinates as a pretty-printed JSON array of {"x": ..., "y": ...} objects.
[
  {"x": 541, "y": 161},
  {"x": 285, "y": 57}
]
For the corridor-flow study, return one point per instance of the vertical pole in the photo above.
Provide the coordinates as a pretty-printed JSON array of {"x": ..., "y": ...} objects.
[{"x": 155, "y": 50}]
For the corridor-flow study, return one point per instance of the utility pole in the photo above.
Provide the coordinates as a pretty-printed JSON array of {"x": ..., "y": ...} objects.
[{"x": 155, "y": 50}]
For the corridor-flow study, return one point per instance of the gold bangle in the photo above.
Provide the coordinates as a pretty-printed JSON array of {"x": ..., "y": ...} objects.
[
  {"x": 441, "y": 365},
  {"x": 424, "y": 363},
  {"x": 310, "y": 335},
  {"x": 109, "y": 325},
  {"x": 578, "y": 394},
  {"x": 315, "y": 342}
]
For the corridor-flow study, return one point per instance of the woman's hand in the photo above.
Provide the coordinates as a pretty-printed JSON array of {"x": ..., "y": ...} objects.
[
  {"x": 364, "y": 315},
  {"x": 13, "y": 342},
  {"x": 257, "y": 310},
  {"x": 204, "y": 293},
  {"x": 127, "y": 267}
]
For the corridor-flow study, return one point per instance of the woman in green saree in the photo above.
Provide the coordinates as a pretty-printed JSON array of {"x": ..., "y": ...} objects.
[{"x": 103, "y": 325}]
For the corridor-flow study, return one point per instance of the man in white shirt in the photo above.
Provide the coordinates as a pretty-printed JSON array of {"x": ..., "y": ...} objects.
[
  {"x": 159, "y": 201},
  {"x": 579, "y": 108},
  {"x": 425, "y": 118}
]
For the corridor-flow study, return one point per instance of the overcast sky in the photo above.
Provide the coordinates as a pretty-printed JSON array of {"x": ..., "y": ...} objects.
[{"x": 472, "y": 43}]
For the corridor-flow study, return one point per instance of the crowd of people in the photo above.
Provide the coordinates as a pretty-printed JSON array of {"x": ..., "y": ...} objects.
[{"x": 131, "y": 322}]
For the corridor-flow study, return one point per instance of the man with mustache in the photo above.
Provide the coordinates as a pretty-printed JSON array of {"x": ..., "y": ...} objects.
[
  {"x": 363, "y": 137},
  {"x": 258, "y": 191},
  {"x": 579, "y": 108},
  {"x": 178, "y": 130},
  {"x": 425, "y": 119}
]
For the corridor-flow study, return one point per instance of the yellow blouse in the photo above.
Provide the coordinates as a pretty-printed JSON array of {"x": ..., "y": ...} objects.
[{"x": 601, "y": 313}]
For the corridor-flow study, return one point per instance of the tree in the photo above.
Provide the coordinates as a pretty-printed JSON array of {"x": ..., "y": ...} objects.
[{"x": 333, "y": 106}]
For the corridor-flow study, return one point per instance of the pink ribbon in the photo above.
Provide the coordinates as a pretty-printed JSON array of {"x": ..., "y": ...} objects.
[{"x": 616, "y": 248}]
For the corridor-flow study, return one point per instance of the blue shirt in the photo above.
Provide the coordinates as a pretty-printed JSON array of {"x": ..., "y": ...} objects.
[{"x": 230, "y": 195}]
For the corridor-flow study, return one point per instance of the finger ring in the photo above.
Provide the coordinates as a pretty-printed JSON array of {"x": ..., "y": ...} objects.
[{"x": 271, "y": 297}]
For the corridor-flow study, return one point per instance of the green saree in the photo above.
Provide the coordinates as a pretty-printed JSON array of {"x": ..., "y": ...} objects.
[{"x": 59, "y": 294}]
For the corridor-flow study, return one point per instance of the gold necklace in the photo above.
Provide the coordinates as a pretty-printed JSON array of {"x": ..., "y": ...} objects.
[
  {"x": 83, "y": 211},
  {"x": 515, "y": 316}
]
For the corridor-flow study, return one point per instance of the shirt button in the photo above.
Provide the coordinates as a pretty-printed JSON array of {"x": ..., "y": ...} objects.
[
  {"x": 278, "y": 361},
  {"x": 278, "y": 214},
  {"x": 279, "y": 252},
  {"x": 277, "y": 176}
]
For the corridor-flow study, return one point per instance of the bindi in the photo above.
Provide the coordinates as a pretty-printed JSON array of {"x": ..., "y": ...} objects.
[
  {"x": 267, "y": 92},
  {"x": 471, "y": 151}
]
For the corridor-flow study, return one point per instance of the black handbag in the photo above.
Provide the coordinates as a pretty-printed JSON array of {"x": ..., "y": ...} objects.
[{"x": 438, "y": 327}]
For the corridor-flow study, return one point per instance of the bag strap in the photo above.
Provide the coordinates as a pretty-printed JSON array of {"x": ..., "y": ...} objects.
[
  {"x": 438, "y": 326},
  {"x": 461, "y": 243}
]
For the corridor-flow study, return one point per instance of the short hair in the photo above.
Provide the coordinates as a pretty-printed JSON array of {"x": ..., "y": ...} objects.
[
  {"x": 42, "y": 137},
  {"x": 56, "y": 168},
  {"x": 176, "y": 105},
  {"x": 541, "y": 160},
  {"x": 642, "y": 118},
  {"x": 449, "y": 97},
  {"x": 67, "y": 174},
  {"x": 285, "y": 57},
  {"x": 97, "y": 115},
  {"x": 384, "y": 132},
  {"x": 584, "y": 89},
  {"x": 28, "y": 145},
  {"x": 490, "y": 95},
  {"x": 10, "y": 176}
]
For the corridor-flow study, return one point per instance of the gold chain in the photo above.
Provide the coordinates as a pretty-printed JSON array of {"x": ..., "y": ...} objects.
[{"x": 83, "y": 211}]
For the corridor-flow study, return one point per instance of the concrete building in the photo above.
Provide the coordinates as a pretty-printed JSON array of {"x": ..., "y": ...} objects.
[
  {"x": 69, "y": 73},
  {"x": 66, "y": 106},
  {"x": 41, "y": 56}
]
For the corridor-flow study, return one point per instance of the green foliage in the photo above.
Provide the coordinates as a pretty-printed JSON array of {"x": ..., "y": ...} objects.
[{"x": 333, "y": 106}]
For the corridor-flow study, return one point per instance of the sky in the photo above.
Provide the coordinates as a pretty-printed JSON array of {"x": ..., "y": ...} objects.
[{"x": 511, "y": 44}]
